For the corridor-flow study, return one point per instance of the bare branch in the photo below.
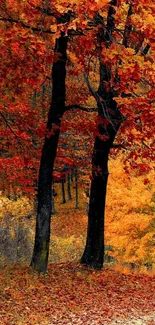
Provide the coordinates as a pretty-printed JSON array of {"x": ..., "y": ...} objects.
[
  {"x": 146, "y": 49},
  {"x": 92, "y": 91},
  {"x": 35, "y": 29},
  {"x": 128, "y": 27},
  {"x": 61, "y": 18},
  {"x": 120, "y": 145},
  {"x": 145, "y": 145},
  {"x": 8, "y": 125},
  {"x": 19, "y": 139},
  {"x": 82, "y": 108}
]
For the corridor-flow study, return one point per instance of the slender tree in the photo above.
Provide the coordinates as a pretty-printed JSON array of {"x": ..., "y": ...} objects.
[
  {"x": 63, "y": 190},
  {"x": 69, "y": 185},
  {"x": 42, "y": 236},
  {"x": 76, "y": 189}
]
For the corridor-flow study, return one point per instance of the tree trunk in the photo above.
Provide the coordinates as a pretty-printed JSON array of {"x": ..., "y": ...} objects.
[
  {"x": 69, "y": 186},
  {"x": 42, "y": 236},
  {"x": 53, "y": 203},
  {"x": 76, "y": 189},
  {"x": 94, "y": 250},
  {"x": 111, "y": 117},
  {"x": 72, "y": 175},
  {"x": 63, "y": 191},
  {"x": 93, "y": 255}
]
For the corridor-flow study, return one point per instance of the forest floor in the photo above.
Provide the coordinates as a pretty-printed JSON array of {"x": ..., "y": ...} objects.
[{"x": 73, "y": 295}]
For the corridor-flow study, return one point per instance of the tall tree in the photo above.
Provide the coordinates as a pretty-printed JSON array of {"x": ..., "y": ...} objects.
[
  {"x": 110, "y": 119},
  {"x": 42, "y": 237}
]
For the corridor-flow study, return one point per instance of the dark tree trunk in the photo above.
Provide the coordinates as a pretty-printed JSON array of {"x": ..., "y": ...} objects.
[
  {"x": 76, "y": 189},
  {"x": 93, "y": 255},
  {"x": 42, "y": 236},
  {"x": 63, "y": 191},
  {"x": 53, "y": 205},
  {"x": 53, "y": 202},
  {"x": 72, "y": 175},
  {"x": 69, "y": 186},
  {"x": 94, "y": 250}
]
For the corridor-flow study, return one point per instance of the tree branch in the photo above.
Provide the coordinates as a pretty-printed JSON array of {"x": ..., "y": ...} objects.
[
  {"x": 71, "y": 32},
  {"x": 82, "y": 108},
  {"x": 92, "y": 91},
  {"x": 128, "y": 27},
  {"x": 110, "y": 21},
  {"x": 146, "y": 49},
  {"x": 19, "y": 139},
  {"x": 61, "y": 18},
  {"x": 145, "y": 145},
  {"x": 35, "y": 29},
  {"x": 119, "y": 145},
  {"x": 8, "y": 125}
]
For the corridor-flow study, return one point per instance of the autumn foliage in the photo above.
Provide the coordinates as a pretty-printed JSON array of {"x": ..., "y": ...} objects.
[{"x": 28, "y": 34}]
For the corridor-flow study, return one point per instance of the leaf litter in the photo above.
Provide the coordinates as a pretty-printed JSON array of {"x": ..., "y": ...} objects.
[{"x": 73, "y": 294}]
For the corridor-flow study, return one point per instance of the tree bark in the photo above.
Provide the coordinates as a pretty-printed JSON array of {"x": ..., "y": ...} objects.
[
  {"x": 42, "y": 237},
  {"x": 93, "y": 255},
  {"x": 76, "y": 189},
  {"x": 63, "y": 191},
  {"x": 53, "y": 203},
  {"x": 69, "y": 186}
]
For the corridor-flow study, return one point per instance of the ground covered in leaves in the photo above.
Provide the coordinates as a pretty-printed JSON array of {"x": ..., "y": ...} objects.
[{"x": 72, "y": 294}]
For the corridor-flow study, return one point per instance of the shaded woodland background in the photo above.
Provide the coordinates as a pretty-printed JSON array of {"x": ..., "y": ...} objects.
[{"x": 130, "y": 221}]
